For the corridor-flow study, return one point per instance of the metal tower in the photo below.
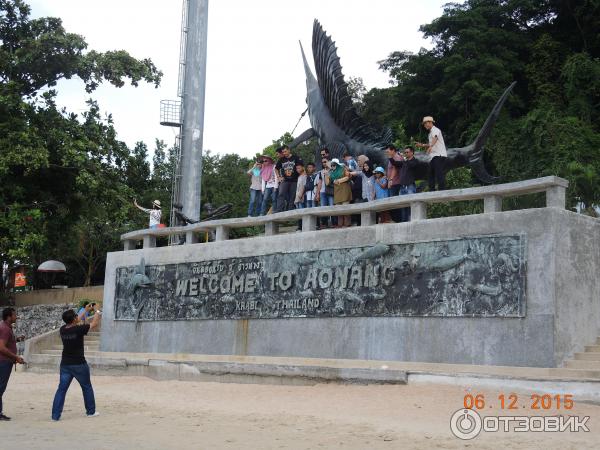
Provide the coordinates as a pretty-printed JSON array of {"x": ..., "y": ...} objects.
[{"x": 188, "y": 113}]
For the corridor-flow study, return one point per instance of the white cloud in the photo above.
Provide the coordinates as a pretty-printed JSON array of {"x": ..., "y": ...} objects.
[{"x": 255, "y": 79}]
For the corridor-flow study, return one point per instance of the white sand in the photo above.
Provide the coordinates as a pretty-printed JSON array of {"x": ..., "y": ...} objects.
[{"x": 139, "y": 413}]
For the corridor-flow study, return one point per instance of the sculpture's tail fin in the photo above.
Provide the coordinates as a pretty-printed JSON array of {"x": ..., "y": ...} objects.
[{"x": 475, "y": 150}]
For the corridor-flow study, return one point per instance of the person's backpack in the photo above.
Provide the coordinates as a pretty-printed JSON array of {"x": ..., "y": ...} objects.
[
  {"x": 328, "y": 186},
  {"x": 309, "y": 186}
]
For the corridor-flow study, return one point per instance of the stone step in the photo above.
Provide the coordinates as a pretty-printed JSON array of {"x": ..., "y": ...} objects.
[
  {"x": 59, "y": 351},
  {"x": 582, "y": 364},
  {"x": 85, "y": 342},
  {"x": 572, "y": 373},
  {"x": 51, "y": 360},
  {"x": 85, "y": 347},
  {"x": 92, "y": 339},
  {"x": 592, "y": 348},
  {"x": 165, "y": 366},
  {"x": 588, "y": 356}
]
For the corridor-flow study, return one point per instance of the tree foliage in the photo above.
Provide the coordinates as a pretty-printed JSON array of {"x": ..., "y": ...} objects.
[
  {"x": 66, "y": 182},
  {"x": 550, "y": 124}
]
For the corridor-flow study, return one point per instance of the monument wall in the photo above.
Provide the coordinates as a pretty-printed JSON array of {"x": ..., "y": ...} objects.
[{"x": 506, "y": 288}]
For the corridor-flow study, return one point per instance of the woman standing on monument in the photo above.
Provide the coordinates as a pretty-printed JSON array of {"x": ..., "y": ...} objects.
[
  {"x": 339, "y": 176},
  {"x": 270, "y": 184},
  {"x": 155, "y": 213}
]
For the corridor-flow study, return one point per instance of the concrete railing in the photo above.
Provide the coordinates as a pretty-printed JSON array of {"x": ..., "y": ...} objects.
[{"x": 554, "y": 187}]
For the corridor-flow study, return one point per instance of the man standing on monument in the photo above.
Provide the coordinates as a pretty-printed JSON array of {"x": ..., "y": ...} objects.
[
  {"x": 73, "y": 363},
  {"x": 288, "y": 178},
  {"x": 436, "y": 149},
  {"x": 8, "y": 352}
]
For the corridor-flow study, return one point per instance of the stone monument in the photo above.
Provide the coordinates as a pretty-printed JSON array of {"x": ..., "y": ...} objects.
[{"x": 502, "y": 287}]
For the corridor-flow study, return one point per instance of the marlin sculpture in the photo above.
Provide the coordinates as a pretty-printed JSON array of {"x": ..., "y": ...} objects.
[{"x": 338, "y": 126}]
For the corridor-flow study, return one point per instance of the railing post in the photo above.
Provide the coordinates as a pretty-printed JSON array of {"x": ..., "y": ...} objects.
[
  {"x": 418, "y": 211},
  {"x": 129, "y": 244},
  {"x": 492, "y": 203},
  {"x": 149, "y": 241},
  {"x": 368, "y": 218},
  {"x": 222, "y": 233},
  {"x": 191, "y": 237},
  {"x": 271, "y": 228},
  {"x": 309, "y": 222},
  {"x": 556, "y": 197}
]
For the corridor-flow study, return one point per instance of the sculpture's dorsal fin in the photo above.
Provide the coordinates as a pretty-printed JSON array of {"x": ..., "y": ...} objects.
[
  {"x": 142, "y": 267},
  {"x": 335, "y": 89},
  {"x": 310, "y": 78}
]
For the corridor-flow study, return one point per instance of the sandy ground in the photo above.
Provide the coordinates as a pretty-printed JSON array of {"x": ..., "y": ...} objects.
[{"x": 139, "y": 413}]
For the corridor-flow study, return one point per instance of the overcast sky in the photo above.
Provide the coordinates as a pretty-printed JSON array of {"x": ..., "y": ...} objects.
[{"x": 255, "y": 78}]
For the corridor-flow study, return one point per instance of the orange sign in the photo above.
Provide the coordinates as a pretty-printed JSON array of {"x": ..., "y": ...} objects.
[{"x": 20, "y": 280}]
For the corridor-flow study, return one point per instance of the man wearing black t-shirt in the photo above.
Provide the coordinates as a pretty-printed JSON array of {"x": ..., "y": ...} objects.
[
  {"x": 73, "y": 363},
  {"x": 288, "y": 178}
]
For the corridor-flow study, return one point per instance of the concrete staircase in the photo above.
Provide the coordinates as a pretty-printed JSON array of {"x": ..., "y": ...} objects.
[
  {"x": 91, "y": 347},
  {"x": 47, "y": 356},
  {"x": 589, "y": 360}
]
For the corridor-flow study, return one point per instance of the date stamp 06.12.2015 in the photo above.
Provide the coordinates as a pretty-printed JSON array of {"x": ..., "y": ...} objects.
[{"x": 516, "y": 413}]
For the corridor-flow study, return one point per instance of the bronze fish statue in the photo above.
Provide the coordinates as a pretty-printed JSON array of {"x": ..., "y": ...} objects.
[{"x": 338, "y": 126}]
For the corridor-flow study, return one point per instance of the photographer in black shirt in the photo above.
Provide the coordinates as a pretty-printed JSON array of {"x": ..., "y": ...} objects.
[{"x": 73, "y": 363}]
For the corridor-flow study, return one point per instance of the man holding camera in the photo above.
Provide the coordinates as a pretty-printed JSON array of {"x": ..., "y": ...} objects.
[
  {"x": 406, "y": 166},
  {"x": 73, "y": 363},
  {"x": 8, "y": 352}
]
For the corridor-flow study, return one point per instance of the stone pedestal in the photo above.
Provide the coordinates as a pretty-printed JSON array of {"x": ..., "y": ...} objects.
[{"x": 451, "y": 313}]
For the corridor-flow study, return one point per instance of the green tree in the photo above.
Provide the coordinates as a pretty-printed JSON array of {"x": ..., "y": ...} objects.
[
  {"x": 60, "y": 174},
  {"x": 549, "y": 125}
]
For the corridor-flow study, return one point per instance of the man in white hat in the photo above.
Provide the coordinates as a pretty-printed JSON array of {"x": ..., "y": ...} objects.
[
  {"x": 436, "y": 149},
  {"x": 155, "y": 212}
]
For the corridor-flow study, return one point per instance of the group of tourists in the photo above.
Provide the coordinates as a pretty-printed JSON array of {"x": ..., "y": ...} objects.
[
  {"x": 72, "y": 364},
  {"x": 289, "y": 183}
]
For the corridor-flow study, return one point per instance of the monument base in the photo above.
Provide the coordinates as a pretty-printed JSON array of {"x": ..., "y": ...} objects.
[{"x": 558, "y": 314}]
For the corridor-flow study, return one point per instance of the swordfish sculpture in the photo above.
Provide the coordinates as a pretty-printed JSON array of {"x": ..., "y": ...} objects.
[{"x": 337, "y": 125}]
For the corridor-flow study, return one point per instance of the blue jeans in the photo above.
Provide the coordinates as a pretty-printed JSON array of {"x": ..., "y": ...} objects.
[
  {"x": 81, "y": 372},
  {"x": 405, "y": 190},
  {"x": 255, "y": 202},
  {"x": 327, "y": 200},
  {"x": 272, "y": 194},
  {"x": 309, "y": 203},
  {"x": 5, "y": 371}
]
